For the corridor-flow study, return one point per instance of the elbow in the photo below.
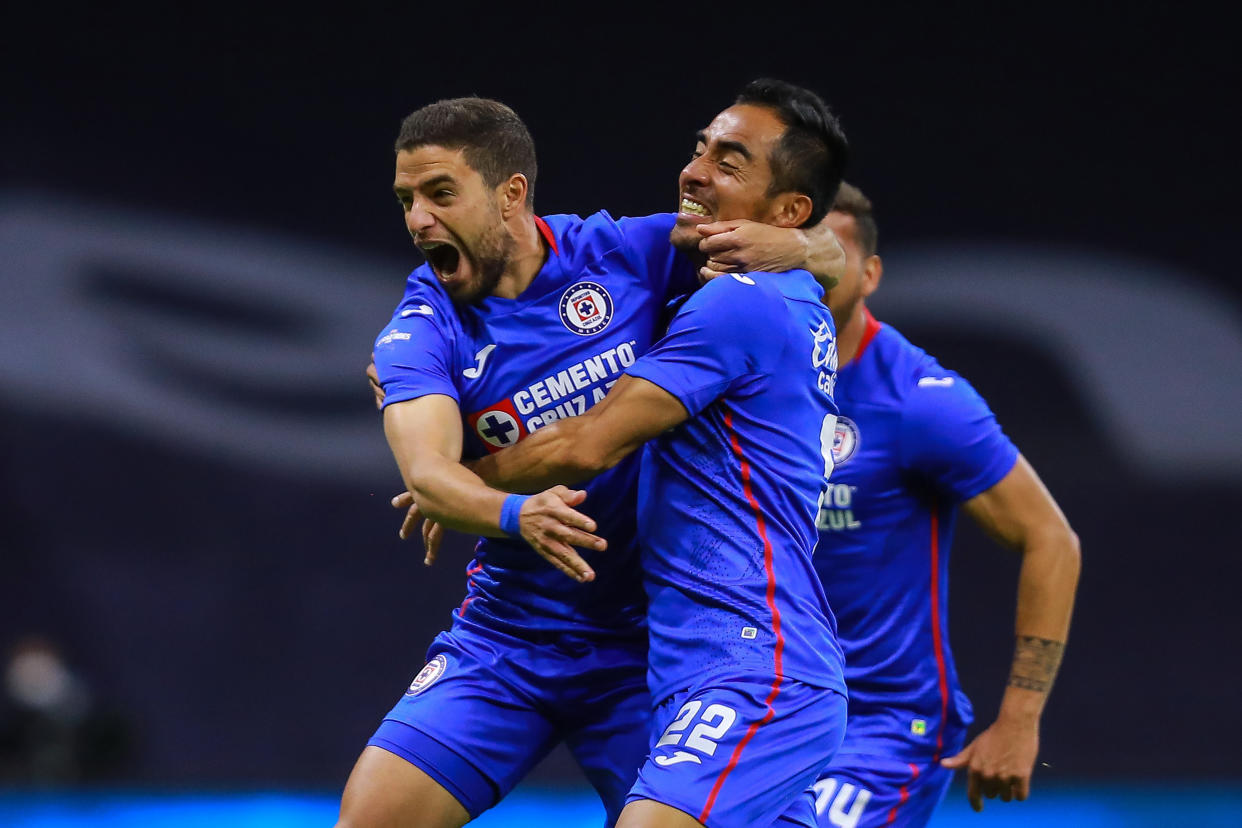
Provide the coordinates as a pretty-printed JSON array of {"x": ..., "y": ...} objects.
[{"x": 1073, "y": 550}]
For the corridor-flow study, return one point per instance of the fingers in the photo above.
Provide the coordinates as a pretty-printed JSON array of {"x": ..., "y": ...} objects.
[
  {"x": 727, "y": 248},
  {"x": 716, "y": 227},
  {"x": 960, "y": 759},
  {"x": 991, "y": 784},
  {"x": 565, "y": 559},
  {"x": 568, "y": 496},
  {"x": 412, "y": 516},
  {"x": 706, "y": 274},
  {"x": 433, "y": 534}
]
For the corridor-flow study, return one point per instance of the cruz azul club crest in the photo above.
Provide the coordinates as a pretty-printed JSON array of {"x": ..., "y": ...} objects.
[
  {"x": 586, "y": 308},
  {"x": 844, "y": 440},
  {"x": 427, "y": 676},
  {"x": 498, "y": 426}
]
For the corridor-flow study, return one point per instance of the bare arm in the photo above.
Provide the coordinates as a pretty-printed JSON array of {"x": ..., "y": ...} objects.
[
  {"x": 578, "y": 448},
  {"x": 1019, "y": 513},
  {"x": 426, "y": 439}
]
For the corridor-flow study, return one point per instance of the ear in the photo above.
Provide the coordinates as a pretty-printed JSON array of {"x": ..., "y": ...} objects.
[
  {"x": 791, "y": 210},
  {"x": 513, "y": 195},
  {"x": 872, "y": 273}
]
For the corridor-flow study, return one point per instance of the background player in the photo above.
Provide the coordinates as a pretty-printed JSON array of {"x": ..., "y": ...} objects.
[
  {"x": 736, "y": 401},
  {"x": 543, "y": 316},
  {"x": 914, "y": 442}
]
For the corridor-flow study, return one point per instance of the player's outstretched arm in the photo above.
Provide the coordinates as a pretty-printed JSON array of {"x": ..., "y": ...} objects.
[
  {"x": 1021, "y": 514},
  {"x": 737, "y": 245},
  {"x": 578, "y": 448},
  {"x": 426, "y": 439}
]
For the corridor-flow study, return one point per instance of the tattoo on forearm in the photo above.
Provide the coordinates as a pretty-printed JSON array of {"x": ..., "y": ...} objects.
[{"x": 1035, "y": 663}]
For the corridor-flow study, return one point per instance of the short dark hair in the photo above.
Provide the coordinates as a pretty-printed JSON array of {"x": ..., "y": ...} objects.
[
  {"x": 810, "y": 158},
  {"x": 851, "y": 201},
  {"x": 491, "y": 135}
]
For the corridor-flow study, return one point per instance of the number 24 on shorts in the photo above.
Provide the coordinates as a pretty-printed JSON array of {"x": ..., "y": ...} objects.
[{"x": 713, "y": 724}]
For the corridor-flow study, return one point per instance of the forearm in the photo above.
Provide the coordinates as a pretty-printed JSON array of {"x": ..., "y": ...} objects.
[
  {"x": 549, "y": 456},
  {"x": 1046, "y": 587},
  {"x": 825, "y": 258},
  {"x": 454, "y": 496}
]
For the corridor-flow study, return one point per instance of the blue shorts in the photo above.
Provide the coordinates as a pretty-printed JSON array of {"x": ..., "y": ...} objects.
[
  {"x": 735, "y": 753},
  {"x": 874, "y": 782},
  {"x": 488, "y": 706}
]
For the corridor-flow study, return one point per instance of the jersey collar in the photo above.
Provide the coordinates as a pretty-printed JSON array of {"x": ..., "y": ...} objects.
[
  {"x": 870, "y": 329},
  {"x": 546, "y": 232}
]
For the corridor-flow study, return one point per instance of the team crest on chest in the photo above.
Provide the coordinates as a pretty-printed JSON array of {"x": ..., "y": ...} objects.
[
  {"x": 427, "y": 676},
  {"x": 586, "y": 308},
  {"x": 844, "y": 440},
  {"x": 498, "y": 426}
]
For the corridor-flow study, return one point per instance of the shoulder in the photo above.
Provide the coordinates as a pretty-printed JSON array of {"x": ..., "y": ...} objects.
[
  {"x": 937, "y": 403},
  {"x": 425, "y": 311},
  {"x": 740, "y": 297},
  {"x": 578, "y": 238}
]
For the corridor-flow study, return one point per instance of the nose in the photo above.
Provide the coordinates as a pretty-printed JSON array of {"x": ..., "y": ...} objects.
[
  {"x": 417, "y": 218},
  {"x": 694, "y": 172}
]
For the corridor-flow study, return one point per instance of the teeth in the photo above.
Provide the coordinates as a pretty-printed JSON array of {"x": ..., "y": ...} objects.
[{"x": 689, "y": 205}]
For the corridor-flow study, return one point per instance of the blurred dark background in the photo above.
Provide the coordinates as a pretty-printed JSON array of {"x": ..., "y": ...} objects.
[{"x": 198, "y": 245}]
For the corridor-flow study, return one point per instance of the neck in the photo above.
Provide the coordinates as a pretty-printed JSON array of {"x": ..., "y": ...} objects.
[
  {"x": 529, "y": 253},
  {"x": 850, "y": 334}
]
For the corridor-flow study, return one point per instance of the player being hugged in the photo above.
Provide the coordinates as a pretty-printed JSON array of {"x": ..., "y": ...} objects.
[{"x": 734, "y": 407}]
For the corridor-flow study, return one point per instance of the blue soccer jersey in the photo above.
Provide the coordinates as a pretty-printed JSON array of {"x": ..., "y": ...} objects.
[
  {"x": 729, "y": 497},
  {"x": 514, "y": 365},
  {"x": 912, "y": 442}
]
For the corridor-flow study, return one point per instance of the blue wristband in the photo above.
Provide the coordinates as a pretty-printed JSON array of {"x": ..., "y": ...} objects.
[{"x": 510, "y": 513}]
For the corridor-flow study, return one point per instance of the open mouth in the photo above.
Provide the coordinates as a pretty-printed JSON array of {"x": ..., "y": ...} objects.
[
  {"x": 443, "y": 257},
  {"x": 691, "y": 207}
]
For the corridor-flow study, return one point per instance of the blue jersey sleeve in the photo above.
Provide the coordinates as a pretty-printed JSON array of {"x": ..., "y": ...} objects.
[
  {"x": 950, "y": 437},
  {"x": 722, "y": 334},
  {"x": 648, "y": 247},
  {"x": 413, "y": 354}
]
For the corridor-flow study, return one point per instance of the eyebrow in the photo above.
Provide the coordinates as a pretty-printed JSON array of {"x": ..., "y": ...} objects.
[
  {"x": 736, "y": 146},
  {"x": 726, "y": 145},
  {"x": 442, "y": 178}
]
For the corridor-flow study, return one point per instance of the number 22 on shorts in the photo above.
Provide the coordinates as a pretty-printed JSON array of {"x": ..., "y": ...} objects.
[{"x": 713, "y": 724}]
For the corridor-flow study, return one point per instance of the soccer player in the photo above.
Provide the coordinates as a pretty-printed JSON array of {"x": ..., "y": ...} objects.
[
  {"x": 736, "y": 401},
  {"x": 914, "y": 443},
  {"x": 516, "y": 322}
]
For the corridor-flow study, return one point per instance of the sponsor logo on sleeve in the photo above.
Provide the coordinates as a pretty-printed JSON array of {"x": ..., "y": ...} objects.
[
  {"x": 586, "y": 308},
  {"x": 935, "y": 382},
  {"x": 428, "y": 676}
]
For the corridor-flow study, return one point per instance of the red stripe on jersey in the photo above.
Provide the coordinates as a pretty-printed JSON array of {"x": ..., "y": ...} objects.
[
  {"x": 904, "y": 793},
  {"x": 937, "y": 633},
  {"x": 546, "y": 232},
  {"x": 776, "y": 620},
  {"x": 871, "y": 327},
  {"x": 470, "y": 573}
]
